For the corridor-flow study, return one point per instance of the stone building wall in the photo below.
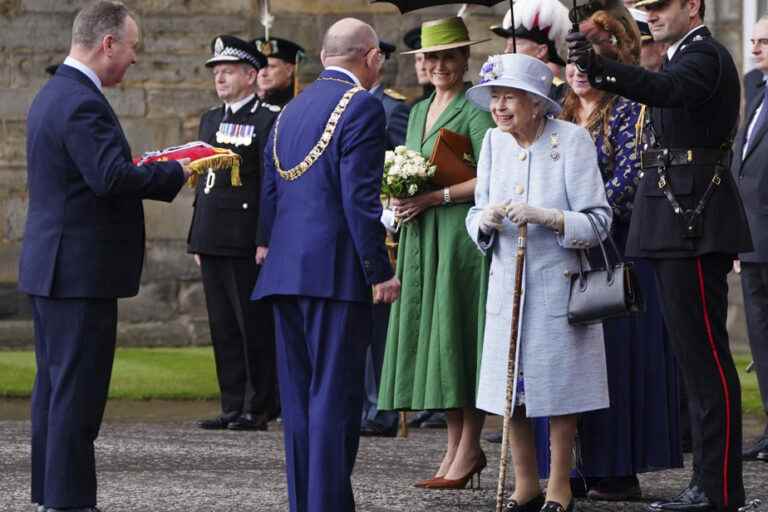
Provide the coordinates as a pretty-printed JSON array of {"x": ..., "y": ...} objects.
[{"x": 159, "y": 104}]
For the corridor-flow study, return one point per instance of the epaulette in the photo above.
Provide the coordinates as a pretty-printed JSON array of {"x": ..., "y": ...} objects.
[
  {"x": 557, "y": 82},
  {"x": 273, "y": 108},
  {"x": 395, "y": 95},
  {"x": 215, "y": 107}
]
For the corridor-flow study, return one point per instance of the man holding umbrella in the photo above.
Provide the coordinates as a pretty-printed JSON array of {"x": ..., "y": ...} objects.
[{"x": 689, "y": 220}]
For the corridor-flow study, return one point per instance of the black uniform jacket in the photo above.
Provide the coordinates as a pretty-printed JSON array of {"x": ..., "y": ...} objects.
[
  {"x": 695, "y": 104},
  {"x": 226, "y": 218}
]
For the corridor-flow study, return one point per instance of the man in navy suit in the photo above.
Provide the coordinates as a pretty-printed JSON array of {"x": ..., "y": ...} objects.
[
  {"x": 83, "y": 248},
  {"x": 320, "y": 213},
  {"x": 750, "y": 154}
]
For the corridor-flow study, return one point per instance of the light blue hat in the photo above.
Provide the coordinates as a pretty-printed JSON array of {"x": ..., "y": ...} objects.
[{"x": 516, "y": 71}]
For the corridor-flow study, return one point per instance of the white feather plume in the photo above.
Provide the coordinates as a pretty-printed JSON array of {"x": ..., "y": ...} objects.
[
  {"x": 266, "y": 18},
  {"x": 544, "y": 13}
]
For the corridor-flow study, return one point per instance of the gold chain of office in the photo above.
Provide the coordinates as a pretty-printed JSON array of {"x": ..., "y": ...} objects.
[{"x": 296, "y": 172}]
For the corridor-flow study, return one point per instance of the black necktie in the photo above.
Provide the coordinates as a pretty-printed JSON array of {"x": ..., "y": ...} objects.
[{"x": 227, "y": 114}]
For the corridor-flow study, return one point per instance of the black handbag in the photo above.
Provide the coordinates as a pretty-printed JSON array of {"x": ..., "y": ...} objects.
[{"x": 603, "y": 293}]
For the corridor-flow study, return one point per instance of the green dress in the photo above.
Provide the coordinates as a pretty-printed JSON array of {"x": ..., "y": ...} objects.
[{"x": 436, "y": 327}]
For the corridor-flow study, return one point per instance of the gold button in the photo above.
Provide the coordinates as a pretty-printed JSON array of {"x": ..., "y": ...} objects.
[
  {"x": 519, "y": 189},
  {"x": 522, "y": 156}
]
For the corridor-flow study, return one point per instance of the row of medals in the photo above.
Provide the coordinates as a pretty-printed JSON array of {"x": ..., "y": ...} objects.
[{"x": 235, "y": 134}]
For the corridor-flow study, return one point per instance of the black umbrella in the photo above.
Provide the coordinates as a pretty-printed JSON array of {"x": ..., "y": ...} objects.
[{"x": 411, "y": 5}]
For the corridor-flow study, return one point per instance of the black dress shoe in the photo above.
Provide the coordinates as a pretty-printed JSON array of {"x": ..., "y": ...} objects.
[
  {"x": 691, "y": 499},
  {"x": 420, "y": 418},
  {"x": 753, "y": 452},
  {"x": 493, "y": 437},
  {"x": 373, "y": 429},
  {"x": 436, "y": 420},
  {"x": 622, "y": 488},
  {"x": 217, "y": 423},
  {"x": 248, "y": 421},
  {"x": 533, "y": 505},
  {"x": 553, "y": 506}
]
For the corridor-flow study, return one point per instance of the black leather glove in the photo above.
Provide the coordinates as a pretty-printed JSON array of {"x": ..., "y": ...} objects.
[{"x": 580, "y": 51}]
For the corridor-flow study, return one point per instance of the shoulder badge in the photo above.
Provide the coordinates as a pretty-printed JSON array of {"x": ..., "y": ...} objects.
[
  {"x": 216, "y": 107},
  {"x": 273, "y": 108},
  {"x": 557, "y": 81},
  {"x": 395, "y": 95}
]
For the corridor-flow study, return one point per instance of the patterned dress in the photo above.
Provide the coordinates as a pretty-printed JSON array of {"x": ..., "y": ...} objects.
[{"x": 640, "y": 431}]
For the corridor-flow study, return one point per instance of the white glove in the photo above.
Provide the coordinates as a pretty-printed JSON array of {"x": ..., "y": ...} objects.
[
  {"x": 492, "y": 218},
  {"x": 522, "y": 213}
]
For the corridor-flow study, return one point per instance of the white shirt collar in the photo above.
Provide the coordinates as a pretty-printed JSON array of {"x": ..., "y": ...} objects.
[
  {"x": 74, "y": 63},
  {"x": 234, "y": 107},
  {"x": 346, "y": 72},
  {"x": 375, "y": 88},
  {"x": 672, "y": 50}
]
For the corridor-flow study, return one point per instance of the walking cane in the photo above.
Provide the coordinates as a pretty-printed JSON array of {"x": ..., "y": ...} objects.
[{"x": 511, "y": 377}]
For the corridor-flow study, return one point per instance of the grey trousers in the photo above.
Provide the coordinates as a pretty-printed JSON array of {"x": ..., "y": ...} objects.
[{"x": 754, "y": 284}]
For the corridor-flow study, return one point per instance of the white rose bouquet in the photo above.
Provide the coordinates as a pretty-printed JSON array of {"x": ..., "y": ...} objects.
[{"x": 405, "y": 173}]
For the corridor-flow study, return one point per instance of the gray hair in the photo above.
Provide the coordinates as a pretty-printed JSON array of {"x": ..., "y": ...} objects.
[
  {"x": 539, "y": 103},
  {"x": 97, "y": 20}
]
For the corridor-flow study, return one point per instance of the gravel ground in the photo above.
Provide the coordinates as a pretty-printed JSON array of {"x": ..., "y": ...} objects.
[{"x": 173, "y": 467}]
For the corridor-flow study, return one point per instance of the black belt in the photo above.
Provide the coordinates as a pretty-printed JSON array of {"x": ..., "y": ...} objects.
[
  {"x": 653, "y": 158},
  {"x": 662, "y": 159}
]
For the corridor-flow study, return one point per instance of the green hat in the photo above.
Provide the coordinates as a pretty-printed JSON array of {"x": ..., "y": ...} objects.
[{"x": 444, "y": 34}]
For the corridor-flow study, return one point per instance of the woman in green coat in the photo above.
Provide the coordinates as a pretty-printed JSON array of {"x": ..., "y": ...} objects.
[{"x": 435, "y": 329}]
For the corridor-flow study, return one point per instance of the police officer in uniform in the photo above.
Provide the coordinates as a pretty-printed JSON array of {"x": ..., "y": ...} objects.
[
  {"x": 223, "y": 238},
  {"x": 277, "y": 80},
  {"x": 689, "y": 220}
]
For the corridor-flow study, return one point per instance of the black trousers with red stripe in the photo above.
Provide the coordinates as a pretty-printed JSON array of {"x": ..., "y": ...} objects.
[{"x": 694, "y": 295}]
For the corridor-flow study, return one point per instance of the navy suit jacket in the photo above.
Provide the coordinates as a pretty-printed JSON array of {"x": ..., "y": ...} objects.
[
  {"x": 325, "y": 237},
  {"x": 751, "y": 173},
  {"x": 396, "y": 112},
  {"x": 84, "y": 235}
]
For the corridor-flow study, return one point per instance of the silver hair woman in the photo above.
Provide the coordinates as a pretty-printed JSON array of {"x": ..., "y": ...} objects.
[{"x": 542, "y": 172}]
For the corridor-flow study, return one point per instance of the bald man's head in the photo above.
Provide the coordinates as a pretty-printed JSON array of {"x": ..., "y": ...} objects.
[
  {"x": 347, "y": 39},
  {"x": 350, "y": 44}
]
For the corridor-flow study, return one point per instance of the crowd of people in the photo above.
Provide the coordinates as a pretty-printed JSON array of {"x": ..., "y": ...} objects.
[{"x": 629, "y": 138}]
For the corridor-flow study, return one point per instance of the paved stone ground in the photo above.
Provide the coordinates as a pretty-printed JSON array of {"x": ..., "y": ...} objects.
[{"x": 173, "y": 467}]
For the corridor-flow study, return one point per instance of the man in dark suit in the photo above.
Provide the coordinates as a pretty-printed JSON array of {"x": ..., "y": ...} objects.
[
  {"x": 689, "y": 220},
  {"x": 753, "y": 82},
  {"x": 223, "y": 238},
  {"x": 83, "y": 248},
  {"x": 320, "y": 213},
  {"x": 750, "y": 168},
  {"x": 374, "y": 421}
]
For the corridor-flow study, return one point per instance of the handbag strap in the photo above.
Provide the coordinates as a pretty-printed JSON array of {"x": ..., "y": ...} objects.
[
  {"x": 604, "y": 225},
  {"x": 583, "y": 252}
]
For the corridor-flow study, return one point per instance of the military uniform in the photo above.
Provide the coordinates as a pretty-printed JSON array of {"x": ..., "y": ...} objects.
[
  {"x": 224, "y": 233},
  {"x": 688, "y": 218},
  {"x": 287, "y": 51}
]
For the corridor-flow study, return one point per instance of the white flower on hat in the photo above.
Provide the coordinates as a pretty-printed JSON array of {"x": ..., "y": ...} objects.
[{"x": 491, "y": 70}]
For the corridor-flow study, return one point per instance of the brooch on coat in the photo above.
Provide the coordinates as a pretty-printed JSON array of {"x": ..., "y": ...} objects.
[{"x": 554, "y": 142}]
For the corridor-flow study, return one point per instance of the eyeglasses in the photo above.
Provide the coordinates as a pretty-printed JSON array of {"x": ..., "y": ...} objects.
[{"x": 763, "y": 42}]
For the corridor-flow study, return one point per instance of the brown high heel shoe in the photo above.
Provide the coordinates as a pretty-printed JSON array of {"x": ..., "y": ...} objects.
[
  {"x": 423, "y": 484},
  {"x": 461, "y": 483}
]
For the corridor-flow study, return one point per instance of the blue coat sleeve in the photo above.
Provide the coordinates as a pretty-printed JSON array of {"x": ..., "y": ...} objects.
[
  {"x": 97, "y": 146},
  {"x": 361, "y": 170},
  {"x": 268, "y": 194},
  {"x": 621, "y": 186}
]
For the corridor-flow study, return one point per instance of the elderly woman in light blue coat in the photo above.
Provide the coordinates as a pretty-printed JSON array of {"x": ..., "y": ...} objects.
[{"x": 541, "y": 172}]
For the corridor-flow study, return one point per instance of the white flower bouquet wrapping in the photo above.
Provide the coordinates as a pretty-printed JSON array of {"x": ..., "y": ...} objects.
[{"x": 405, "y": 173}]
